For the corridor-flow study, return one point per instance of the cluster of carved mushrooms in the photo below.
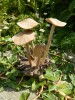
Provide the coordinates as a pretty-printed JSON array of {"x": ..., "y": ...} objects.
[{"x": 25, "y": 38}]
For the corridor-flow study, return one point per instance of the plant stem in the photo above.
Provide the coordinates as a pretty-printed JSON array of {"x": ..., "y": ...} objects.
[{"x": 48, "y": 43}]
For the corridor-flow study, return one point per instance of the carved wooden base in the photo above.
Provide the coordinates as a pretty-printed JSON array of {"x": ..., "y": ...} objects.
[{"x": 24, "y": 67}]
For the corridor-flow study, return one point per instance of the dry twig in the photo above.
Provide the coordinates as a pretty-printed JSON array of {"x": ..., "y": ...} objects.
[
  {"x": 1, "y": 74},
  {"x": 3, "y": 78},
  {"x": 40, "y": 92},
  {"x": 21, "y": 79},
  {"x": 64, "y": 95}
]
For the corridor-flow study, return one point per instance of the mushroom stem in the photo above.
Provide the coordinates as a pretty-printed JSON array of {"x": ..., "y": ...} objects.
[
  {"x": 48, "y": 43},
  {"x": 32, "y": 44},
  {"x": 28, "y": 53}
]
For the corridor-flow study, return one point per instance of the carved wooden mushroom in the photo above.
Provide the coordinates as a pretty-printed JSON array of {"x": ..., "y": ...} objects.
[
  {"x": 54, "y": 22},
  {"x": 38, "y": 52},
  {"x": 23, "y": 39},
  {"x": 27, "y": 24}
]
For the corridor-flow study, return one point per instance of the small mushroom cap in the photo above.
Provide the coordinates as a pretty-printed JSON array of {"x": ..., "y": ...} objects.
[
  {"x": 24, "y": 37},
  {"x": 28, "y": 23},
  {"x": 56, "y": 22}
]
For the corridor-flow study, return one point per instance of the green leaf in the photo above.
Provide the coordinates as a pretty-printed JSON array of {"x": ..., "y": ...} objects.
[
  {"x": 34, "y": 85},
  {"x": 52, "y": 87},
  {"x": 65, "y": 87},
  {"x": 49, "y": 96},
  {"x": 66, "y": 43},
  {"x": 53, "y": 76},
  {"x": 11, "y": 74},
  {"x": 1, "y": 89},
  {"x": 72, "y": 5},
  {"x": 26, "y": 84},
  {"x": 21, "y": 6},
  {"x": 42, "y": 83},
  {"x": 24, "y": 96},
  {"x": 72, "y": 77},
  {"x": 11, "y": 84},
  {"x": 65, "y": 15}
]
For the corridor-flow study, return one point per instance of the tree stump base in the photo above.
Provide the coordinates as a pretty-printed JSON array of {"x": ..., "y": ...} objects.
[{"x": 25, "y": 68}]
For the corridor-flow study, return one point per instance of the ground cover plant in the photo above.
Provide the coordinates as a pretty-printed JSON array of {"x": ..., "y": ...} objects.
[{"x": 58, "y": 80}]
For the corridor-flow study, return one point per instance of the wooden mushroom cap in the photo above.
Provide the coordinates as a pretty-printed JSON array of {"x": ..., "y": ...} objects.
[
  {"x": 24, "y": 37},
  {"x": 28, "y": 23},
  {"x": 56, "y": 22}
]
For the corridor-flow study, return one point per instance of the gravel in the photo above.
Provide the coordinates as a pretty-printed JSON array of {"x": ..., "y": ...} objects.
[{"x": 10, "y": 94}]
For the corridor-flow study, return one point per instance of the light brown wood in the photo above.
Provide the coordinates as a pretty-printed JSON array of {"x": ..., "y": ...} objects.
[
  {"x": 28, "y": 53},
  {"x": 28, "y": 23},
  {"x": 23, "y": 37},
  {"x": 38, "y": 61},
  {"x": 32, "y": 45},
  {"x": 38, "y": 53},
  {"x": 56, "y": 22},
  {"x": 38, "y": 50},
  {"x": 48, "y": 43}
]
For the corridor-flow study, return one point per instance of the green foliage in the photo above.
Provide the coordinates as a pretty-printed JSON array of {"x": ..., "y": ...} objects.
[
  {"x": 72, "y": 77},
  {"x": 65, "y": 87},
  {"x": 72, "y": 6},
  {"x": 53, "y": 76},
  {"x": 21, "y": 6},
  {"x": 1, "y": 89},
  {"x": 12, "y": 11},
  {"x": 49, "y": 96},
  {"x": 24, "y": 96}
]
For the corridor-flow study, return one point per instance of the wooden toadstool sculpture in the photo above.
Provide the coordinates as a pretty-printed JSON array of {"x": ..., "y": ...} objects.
[
  {"x": 25, "y": 37},
  {"x": 28, "y": 24},
  {"x": 38, "y": 52},
  {"x": 54, "y": 22}
]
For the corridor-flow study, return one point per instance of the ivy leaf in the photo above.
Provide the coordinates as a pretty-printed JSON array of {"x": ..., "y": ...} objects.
[
  {"x": 12, "y": 73},
  {"x": 34, "y": 85},
  {"x": 53, "y": 76},
  {"x": 65, "y": 87},
  {"x": 42, "y": 83},
  {"x": 72, "y": 77},
  {"x": 24, "y": 96},
  {"x": 52, "y": 87},
  {"x": 49, "y": 96}
]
